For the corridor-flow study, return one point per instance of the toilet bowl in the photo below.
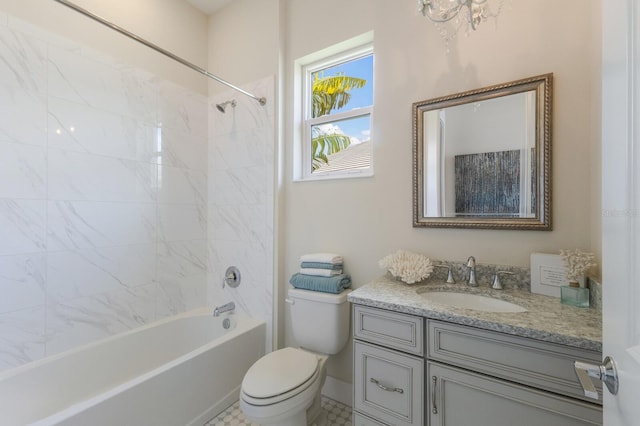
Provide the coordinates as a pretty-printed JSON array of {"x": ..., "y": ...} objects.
[{"x": 283, "y": 388}]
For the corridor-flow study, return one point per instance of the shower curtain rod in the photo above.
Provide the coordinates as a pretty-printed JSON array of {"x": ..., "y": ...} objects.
[{"x": 159, "y": 49}]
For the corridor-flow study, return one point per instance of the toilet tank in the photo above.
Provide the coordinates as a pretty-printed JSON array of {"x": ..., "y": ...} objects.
[{"x": 320, "y": 321}]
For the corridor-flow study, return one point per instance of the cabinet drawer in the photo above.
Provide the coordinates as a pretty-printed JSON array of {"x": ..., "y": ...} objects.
[
  {"x": 388, "y": 385},
  {"x": 391, "y": 329},
  {"x": 360, "y": 420},
  {"x": 534, "y": 363}
]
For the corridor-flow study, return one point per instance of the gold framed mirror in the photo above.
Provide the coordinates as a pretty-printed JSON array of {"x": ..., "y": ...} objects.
[{"x": 482, "y": 158}]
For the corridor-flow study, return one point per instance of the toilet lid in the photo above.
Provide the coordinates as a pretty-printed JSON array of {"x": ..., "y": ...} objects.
[{"x": 279, "y": 372}]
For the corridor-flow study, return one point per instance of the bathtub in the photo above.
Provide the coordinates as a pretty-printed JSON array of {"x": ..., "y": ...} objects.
[{"x": 180, "y": 371}]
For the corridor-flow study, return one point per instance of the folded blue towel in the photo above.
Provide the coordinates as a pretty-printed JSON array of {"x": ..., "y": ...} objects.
[
  {"x": 324, "y": 284},
  {"x": 321, "y": 265}
]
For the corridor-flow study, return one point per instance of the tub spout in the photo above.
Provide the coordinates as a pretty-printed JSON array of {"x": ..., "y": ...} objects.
[{"x": 224, "y": 308}]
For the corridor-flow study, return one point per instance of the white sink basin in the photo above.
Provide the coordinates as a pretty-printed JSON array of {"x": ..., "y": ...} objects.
[{"x": 472, "y": 301}]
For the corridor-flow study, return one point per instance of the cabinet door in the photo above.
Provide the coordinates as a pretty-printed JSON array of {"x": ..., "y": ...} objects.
[
  {"x": 458, "y": 397},
  {"x": 388, "y": 385}
]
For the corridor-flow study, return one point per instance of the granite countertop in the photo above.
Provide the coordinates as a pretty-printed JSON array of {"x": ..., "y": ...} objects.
[{"x": 546, "y": 318}]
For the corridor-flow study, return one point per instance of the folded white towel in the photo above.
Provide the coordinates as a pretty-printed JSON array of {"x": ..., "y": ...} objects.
[
  {"x": 320, "y": 272},
  {"x": 321, "y": 257}
]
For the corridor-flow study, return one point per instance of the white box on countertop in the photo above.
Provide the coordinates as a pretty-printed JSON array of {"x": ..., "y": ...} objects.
[{"x": 548, "y": 274}]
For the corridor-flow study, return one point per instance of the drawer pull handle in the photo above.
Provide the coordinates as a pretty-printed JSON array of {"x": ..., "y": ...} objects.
[
  {"x": 434, "y": 408},
  {"x": 386, "y": 388}
]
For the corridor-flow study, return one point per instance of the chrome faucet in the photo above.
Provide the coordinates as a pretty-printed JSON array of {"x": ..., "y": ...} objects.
[
  {"x": 227, "y": 307},
  {"x": 471, "y": 264}
]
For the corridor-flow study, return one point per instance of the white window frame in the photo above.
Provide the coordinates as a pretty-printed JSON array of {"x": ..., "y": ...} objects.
[{"x": 308, "y": 122}]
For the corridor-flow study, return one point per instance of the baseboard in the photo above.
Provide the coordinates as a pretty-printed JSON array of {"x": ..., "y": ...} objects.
[{"x": 338, "y": 391}]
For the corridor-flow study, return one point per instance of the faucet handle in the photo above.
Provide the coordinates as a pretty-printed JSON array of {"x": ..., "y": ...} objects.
[
  {"x": 450, "y": 279},
  {"x": 497, "y": 285}
]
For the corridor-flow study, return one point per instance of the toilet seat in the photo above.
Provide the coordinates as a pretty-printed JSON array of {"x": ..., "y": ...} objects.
[{"x": 280, "y": 375}]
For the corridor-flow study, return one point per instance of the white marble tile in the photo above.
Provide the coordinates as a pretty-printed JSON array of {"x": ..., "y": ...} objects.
[
  {"x": 23, "y": 170},
  {"x": 239, "y": 223},
  {"x": 106, "y": 210},
  {"x": 76, "y": 322},
  {"x": 183, "y": 110},
  {"x": 142, "y": 95},
  {"x": 81, "y": 128},
  {"x": 79, "y": 176},
  {"x": 180, "y": 259},
  {"x": 245, "y": 148},
  {"x": 22, "y": 226},
  {"x": 82, "y": 80},
  {"x": 24, "y": 61},
  {"x": 183, "y": 186},
  {"x": 22, "y": 282},
  {"x": 181, "y": 295},
  {"x": 31, "y": 30},
  {"x": 249, "y": 258},
  {"x": 22, "y": 338},
  {"x": 72, "y": 274},
  {"x": 180, "y": 222},
  {"x": 81, "y": 224},
  {"x": 22, "y": 89},
  {"x": 238, "y": 186},
  {"x": 180, "y": 149},
  {"x": 248, "y": 113}
]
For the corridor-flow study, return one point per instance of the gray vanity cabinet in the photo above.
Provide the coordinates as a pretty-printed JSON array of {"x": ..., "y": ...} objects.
[{"x": 413, "y": 371}]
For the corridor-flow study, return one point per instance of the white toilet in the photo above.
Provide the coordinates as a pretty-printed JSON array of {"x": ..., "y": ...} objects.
[{"x": 283, "y": 387}]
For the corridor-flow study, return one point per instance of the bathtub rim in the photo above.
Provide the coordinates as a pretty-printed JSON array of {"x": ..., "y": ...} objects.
[
  {"x": 244, "y": 323},
  {"x": 192, "y": 313}
]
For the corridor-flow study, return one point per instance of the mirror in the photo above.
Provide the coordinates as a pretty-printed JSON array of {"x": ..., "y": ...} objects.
[{"x": 482, "y": 158}]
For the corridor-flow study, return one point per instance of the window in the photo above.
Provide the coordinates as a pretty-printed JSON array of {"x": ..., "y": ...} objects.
[{"x": 337, "y": 103}]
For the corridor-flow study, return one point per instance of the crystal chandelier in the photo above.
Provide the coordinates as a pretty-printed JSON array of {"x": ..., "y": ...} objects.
[{"x": 475, "y": 11}]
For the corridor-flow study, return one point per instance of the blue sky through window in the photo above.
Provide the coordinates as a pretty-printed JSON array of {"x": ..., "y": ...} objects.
[{"x": 359, "y": 128}]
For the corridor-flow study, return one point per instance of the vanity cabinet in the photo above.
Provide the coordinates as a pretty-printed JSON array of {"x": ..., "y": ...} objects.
[
  {"x": 480, "y": 377},
  {"x": 409, "y": 370},
  {"x": 388, "y": 368}
]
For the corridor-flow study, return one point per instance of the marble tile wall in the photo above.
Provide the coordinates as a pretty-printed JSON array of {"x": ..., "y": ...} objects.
[
  {"x": 241, "y": 200},
  {"x": 103, "y": 196}
]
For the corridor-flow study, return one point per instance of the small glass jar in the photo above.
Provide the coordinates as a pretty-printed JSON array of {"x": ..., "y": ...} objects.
[{"x": 574, "y": 295}]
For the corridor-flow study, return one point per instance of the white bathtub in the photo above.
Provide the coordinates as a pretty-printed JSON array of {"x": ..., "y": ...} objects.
[{"x": 180, "y": 371}]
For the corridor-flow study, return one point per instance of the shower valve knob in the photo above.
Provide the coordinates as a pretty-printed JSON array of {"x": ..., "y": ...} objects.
[{"x": 231, "y": 277}]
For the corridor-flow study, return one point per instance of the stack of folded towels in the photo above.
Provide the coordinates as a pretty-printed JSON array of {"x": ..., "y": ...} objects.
[{"x": 321, "y": 272}]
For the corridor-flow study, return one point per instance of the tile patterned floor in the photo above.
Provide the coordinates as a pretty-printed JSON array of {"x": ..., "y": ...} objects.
[{"x": 337, "y": 413}]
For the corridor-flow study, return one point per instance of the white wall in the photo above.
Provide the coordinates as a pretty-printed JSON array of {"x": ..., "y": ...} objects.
[
  {"x": 102, "y": 193},
  {"x": 244, "y": 39},
  {"x": 365, "y": 219}
]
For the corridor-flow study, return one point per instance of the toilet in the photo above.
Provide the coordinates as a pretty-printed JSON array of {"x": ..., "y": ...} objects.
[{"x": 283, "y": 387}]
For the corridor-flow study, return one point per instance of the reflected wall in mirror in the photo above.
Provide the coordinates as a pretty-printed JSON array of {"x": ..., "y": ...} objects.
[{"x": 482, "y": 158}]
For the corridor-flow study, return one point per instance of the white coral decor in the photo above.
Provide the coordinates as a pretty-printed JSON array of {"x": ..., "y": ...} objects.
[{"x": 409, "y": 267}]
